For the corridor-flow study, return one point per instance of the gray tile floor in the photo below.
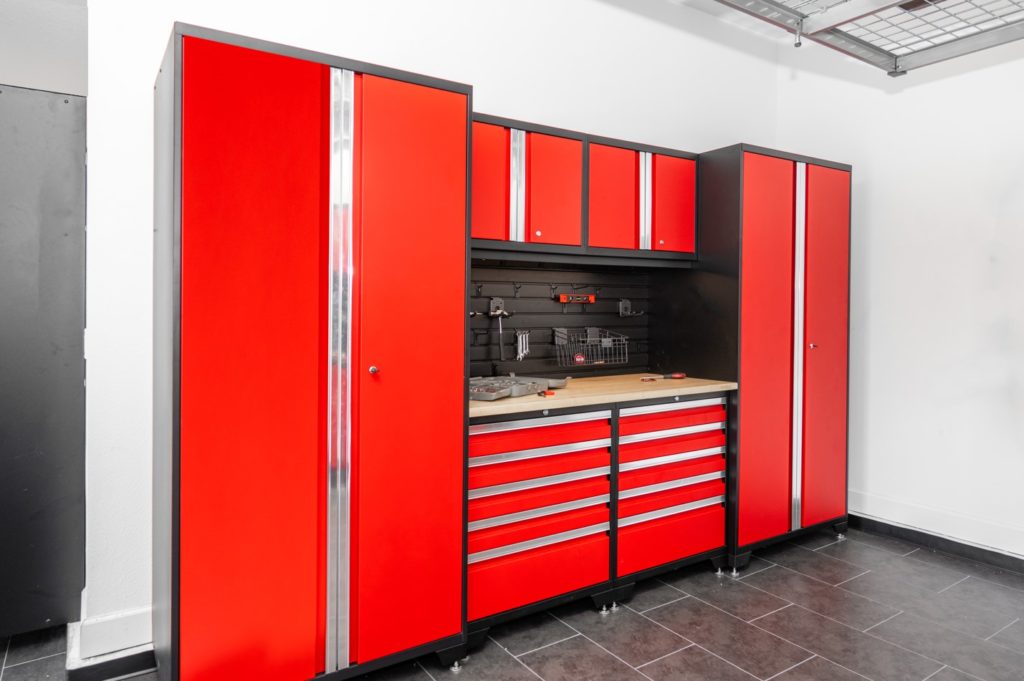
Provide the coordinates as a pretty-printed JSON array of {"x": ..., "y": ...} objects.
[{"x": 867, "y": 607}]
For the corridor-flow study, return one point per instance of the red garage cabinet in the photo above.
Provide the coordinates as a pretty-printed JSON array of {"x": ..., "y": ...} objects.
[
  {"x": 775, "y": 240},
  {"x": 614, "y": 196},
  {"x": 290, "y": 231}
]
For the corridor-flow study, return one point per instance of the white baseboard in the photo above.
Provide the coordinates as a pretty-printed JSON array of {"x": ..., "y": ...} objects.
[
  {"x": 114, "y": 633},
  {"x": 985, "y": 534}
]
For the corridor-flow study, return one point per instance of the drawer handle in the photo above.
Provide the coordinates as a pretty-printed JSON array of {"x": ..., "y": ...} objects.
[
  {"x": 520, "y": 424},
  {"x": 539, "y": 453},
  {"x": 670, "y": 458},
  {"x": 533, "y": 513},
  {"x": 671, "y": 510},
  {"x": 494, "y": 490},
  {"x": 671, "y": 484},
  {"x": 671, "y": 406},
  {"x": 537, "y": 543},
  {"x": 671, "y": 432}
]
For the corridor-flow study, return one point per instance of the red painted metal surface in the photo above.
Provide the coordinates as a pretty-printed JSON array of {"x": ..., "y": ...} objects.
[
  {"x": 490, "y": 210},
  {"x": 252, "y": 364},
  {"x": 614, "y": 181},
  {"x": 825, "y": 366},
  {"x": 766, "y": 348},
  {"x": 672, "y": 497},
  {"x": 554, "y": 190},
  {"x": 647, "y": 545},
  {"x": 671, "y": 445},
  {"x": 513, "y": 471},
  {"x": 665, "y": 420},
  {"x": 673, "y": 203},
  {"x": 672, "y": 471},
  {"x": 513, "y": 533},
  {"x": 513, "y": 502},
  {"x": 544, "y": 436},
  {"x": 407, "y": 464},
  {"x": 523, "y": 578}
]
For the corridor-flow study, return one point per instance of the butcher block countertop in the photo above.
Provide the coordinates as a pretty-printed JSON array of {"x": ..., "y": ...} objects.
[{"x": 582, "y": 392}]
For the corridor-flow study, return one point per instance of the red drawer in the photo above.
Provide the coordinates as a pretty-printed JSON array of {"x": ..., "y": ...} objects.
[
  {"x": 671, "y": 445},
  {"x": 657, "y": 542},
  {"x": 513, "y": 533},
  {"x": 645, "y": 423},
  {"x": 514, "y": 471},
  {"x": 497, "y": 438},
  {"x": 673, "y": 497},
  {"x": 673, "y": 471},
  {"x": 514, "y": 502},
  {"x": 509, "y": 582}
]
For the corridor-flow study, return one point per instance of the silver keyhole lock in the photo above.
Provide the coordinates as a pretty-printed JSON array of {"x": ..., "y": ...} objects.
[
  {"x": 537, "y": 232},
  {"x": 661, "y": 242},
  {"x": 813, "y": 346},
  {"x": 373, "y": 369}
]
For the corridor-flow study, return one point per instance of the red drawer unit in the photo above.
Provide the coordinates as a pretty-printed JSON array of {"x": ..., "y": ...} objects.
[
  {"x": 527, "y": 576},
  {"x": 498, "y": 502},
  {"x": 509, "y": 436},
  {"x": 645, "y": 545},
  {"x": 671, "y": 415},
  {"x": 539, "y": 464},
  {"x": 484, "y": 538}
]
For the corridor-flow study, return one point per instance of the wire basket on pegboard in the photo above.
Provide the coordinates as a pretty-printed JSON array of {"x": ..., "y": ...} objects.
[{"x": 590, "y": 346}]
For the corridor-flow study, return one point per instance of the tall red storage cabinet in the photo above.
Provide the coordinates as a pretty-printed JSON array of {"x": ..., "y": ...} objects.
[
  {"x": 775, "y": 233},
  {"x": 300, "y": 202}
]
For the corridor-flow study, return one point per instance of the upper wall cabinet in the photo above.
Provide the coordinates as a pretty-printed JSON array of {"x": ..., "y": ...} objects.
[{"x": 545, "y": 194}]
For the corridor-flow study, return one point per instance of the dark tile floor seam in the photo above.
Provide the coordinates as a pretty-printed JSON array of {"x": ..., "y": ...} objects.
[
  {"x": 45, "y": 657},
  {"x": 712, "y": 653},
  {"x": 991, "y": 636},
  {"x": 959, "y": 581},
  {"x": 841, "y": 539},
  {"x": 945, "y": 666},
  {"x": 603, "y": 648},
  {"x": 425, "y": 670},
  {"x": 658, "y": 659},
  {"x": 974, "y": 562},
  {"x": 757, "y": 571},
  {"x": 879, "y": 638},
  {"x": 546, "y": 645},
  {"x": 525, "y": 666},
  {"x": 752, "y": 586},
  {"x": 878, "y": 624},
  {"x": 908, "y": 553},
  {"x": 3, "y": 663},
  {"x": 839, "y": 584},
  {"x": 789, "y": 669},
  {"x": 682, "y": 597},
  {"x": 754, "y": 619}
]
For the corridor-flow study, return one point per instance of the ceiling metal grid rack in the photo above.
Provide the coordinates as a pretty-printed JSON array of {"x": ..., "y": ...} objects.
[{"x": 895, "y": 36}]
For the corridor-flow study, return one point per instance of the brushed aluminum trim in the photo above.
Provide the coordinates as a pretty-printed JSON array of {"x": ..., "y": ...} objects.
[
  {"x": 671, "y": 484},
  {"x": 531, "y": 514},
  {"x": 671, "y": 510},
  {"x": 519, "y": 486},
  {"x": 339, "y": 398},
  {"x": 669, "y": 458},
  {"x": 522, "y": 424},
  {"x": 517, "y": 185},
  {"x": 799, "y": 287},
  {"x": 646, "y": 188},
  {"x": 490, "y": 554},
  {"x": 539, "y": 452},
  {"x": 670, "y": 432},
  {"x": 670, "y": 406}
]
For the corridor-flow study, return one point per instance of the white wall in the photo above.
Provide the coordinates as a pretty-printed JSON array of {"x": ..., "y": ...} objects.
[
  {"x": 43, "y": 45},
  {"x": 654, "y": 75},
  {"x": 937, "y": 355}
]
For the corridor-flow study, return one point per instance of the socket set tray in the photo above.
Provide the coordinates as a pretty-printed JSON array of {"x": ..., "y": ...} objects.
[{"x": 489, "y": 388}]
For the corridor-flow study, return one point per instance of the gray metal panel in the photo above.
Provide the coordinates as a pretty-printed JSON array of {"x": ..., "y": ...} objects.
[
  {"x": 166, "y": 145},
  {"x": 42, "y": 366}
]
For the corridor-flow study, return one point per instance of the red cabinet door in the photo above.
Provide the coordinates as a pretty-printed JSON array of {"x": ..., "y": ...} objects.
[
  {"x": 253, "y": 267},
  {"x": 614, "y": 178},
  {"x": 554, "y": 190},
  {"x": 825, "y": 344},
  {"x": 673, "y": 203},
  {"x": 490, "y": 211},
  {"x": 407, "y": 466},
  {"x": 766, "y": 348}
]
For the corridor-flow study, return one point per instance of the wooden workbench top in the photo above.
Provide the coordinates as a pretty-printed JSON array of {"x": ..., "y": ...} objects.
[{"x": 582, "y": 392}]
